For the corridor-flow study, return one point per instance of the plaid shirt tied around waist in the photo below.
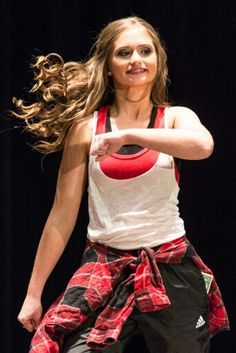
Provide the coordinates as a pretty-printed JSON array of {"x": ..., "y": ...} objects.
[{"x": 115, "y": 281}]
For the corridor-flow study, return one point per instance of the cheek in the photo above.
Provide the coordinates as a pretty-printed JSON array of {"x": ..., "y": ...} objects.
[
  {"x": 118, "y": 69},
  {"x": 153, "y": 66},
  {"x": 117, "y": 65}
]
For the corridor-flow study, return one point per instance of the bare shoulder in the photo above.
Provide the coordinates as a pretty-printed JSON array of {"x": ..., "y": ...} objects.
[
  {"x": 180, "y": 116},
  {"x": 80, "y": 133},
  {"x": 76, "y": 148}
]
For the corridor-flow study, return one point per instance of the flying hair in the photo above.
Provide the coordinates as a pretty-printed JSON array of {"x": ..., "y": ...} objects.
[{"x": 65, "y": 93}]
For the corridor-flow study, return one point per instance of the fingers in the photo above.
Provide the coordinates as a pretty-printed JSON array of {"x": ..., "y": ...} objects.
[
  {"x": 31, "y": 313},
  {"x": 101, "y": 157},
  {"x": 106, "y": 144},
  {"x": 100, "y": 147},
  {"x": 99, "y": 152},
  {"x": 30, "y": 324}
]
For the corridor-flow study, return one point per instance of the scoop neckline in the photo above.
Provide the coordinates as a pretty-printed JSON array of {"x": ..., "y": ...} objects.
[{"x": 151, "y": 124}]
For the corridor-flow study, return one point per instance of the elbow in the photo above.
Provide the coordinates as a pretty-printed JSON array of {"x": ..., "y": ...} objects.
[
  {"x": 205, "y": 148},
  {"x": 201, "y": 148}
]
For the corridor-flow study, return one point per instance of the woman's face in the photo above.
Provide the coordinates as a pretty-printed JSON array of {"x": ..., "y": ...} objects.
[{"x": 133, "y": 60}]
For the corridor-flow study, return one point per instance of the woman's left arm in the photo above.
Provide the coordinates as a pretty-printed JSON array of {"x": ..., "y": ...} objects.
[{"x": 185, "y": 137}]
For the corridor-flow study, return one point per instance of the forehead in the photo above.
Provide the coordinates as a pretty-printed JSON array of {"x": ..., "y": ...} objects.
[{"x": 135, "y": 35}]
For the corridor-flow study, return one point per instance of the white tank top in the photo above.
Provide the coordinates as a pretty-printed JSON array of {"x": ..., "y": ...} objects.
[{"x": 137, "y": 211}]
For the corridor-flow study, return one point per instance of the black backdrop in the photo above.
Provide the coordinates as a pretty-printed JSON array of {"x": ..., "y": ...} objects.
[{"x": 200, "y": 38}]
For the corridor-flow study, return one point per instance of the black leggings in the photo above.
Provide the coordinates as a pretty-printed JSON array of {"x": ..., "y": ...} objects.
[{"x": 180, "y": 328}]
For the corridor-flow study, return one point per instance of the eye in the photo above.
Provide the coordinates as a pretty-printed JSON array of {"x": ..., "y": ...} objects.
[
  {"x": 145, "y": 51},
  {"x": 124, "y": 53}
]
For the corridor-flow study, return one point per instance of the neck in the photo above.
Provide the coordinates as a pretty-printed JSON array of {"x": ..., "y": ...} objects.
[
  {"x": 132, "y": 105},
  {"x": 133, "y": 94}
]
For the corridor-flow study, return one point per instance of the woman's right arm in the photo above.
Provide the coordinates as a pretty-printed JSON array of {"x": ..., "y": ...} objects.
[{"x": 71, "y": 181}]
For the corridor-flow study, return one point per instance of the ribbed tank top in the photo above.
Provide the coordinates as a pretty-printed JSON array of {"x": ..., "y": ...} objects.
[{"x": 133, "y": 199}]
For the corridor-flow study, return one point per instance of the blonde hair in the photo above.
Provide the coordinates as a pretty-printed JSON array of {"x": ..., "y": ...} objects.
[{"x": 68, "y": 92}]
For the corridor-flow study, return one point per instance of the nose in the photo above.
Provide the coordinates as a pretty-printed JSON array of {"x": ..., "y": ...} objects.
[{"x": 135, "y": 57}]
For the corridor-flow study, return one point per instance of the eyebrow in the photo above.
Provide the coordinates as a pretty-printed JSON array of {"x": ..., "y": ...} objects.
[{"x": 139, "y": 45}]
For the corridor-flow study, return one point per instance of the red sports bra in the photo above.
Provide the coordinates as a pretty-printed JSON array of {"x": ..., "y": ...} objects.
[{"x": 126, "y": 166}]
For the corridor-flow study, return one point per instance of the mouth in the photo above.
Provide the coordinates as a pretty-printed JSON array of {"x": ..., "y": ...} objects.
[{"x": 136, "y": 71}]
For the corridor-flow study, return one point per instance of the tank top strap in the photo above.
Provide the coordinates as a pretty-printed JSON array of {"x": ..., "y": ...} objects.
[
  {"x": 101, "y": 119},
  {"x": 160, "y": 118}
]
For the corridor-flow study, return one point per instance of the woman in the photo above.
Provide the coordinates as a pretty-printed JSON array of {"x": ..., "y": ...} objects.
[{"x": 139, "y": 272}]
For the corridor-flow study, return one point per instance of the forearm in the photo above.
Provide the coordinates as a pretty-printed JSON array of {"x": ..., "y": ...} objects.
[
  {"x": 180, "y": 143},
  {"x": 52, "y": 244}
]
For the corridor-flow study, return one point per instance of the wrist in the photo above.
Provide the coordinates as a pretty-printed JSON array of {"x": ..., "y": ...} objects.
[
  {"x": 126, "y": 136},
  {"x": 34, "y": 292},
  {"x": 131, "y": 137},
  {"x": 32, "y": 300}
]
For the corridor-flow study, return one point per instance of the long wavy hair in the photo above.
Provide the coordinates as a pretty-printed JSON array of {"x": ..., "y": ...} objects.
[{"x": 68, "y": 92}]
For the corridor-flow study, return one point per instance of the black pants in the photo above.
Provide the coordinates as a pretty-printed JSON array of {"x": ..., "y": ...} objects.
[{"x": 180, "y": 328}]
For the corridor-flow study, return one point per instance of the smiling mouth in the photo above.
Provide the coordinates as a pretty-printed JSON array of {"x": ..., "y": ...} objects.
[{"x": 136, "y": 71}]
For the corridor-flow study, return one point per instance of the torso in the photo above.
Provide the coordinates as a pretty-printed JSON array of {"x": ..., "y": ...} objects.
[{"x": 133, "y": 198}]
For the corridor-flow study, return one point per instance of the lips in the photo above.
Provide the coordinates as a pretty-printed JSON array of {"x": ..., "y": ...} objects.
[{"x": 136, "y": 70}]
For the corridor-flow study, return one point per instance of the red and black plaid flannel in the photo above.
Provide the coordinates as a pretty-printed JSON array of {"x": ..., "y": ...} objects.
[{"x": 116, "y": 281}]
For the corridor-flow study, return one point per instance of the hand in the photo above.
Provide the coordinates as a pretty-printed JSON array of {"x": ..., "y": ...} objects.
[
  {"x": 106, "y": 144},
  {"x": 31, "y": 313}
]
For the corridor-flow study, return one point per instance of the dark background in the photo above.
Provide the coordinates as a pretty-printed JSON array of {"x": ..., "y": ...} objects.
[{"x": 200, "y": 37}]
